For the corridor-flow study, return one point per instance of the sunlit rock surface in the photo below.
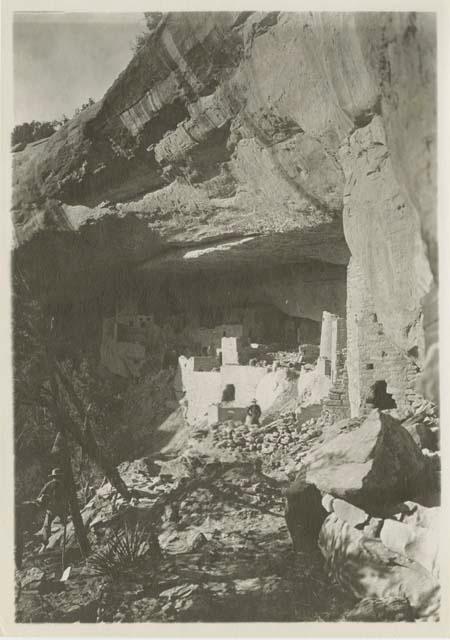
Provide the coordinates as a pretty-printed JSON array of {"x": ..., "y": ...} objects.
[
  {"x": 231, "y": 126},
  {"x": 236, "y": 140}
]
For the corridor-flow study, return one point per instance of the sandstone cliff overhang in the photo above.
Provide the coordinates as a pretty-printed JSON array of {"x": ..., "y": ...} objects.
[{"x": 246, "y": 136}]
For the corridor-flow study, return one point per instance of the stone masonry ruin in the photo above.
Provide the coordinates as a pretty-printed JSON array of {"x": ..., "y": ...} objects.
[
  {"x": 216, "y": 318},
  {"x": 249, "y": 213}
]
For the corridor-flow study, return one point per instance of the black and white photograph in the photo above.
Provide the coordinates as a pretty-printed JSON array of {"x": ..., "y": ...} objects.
[{"x": 224, "y": 317}]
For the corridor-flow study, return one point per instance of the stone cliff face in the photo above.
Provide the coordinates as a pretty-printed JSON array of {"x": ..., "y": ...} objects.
[
  {"x": 281, "y": 165},
  {"x": 250, "y": 139}
]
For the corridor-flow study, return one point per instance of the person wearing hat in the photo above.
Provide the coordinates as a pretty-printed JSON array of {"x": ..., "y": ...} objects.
[
  {"x": 253, "y": 414},
  {"x": 53, "y": 498}
]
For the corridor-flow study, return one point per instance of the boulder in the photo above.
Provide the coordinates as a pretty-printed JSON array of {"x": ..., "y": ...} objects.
[
  {"x": 183, "y": 541},
  {"x": 349, "y": 513},
  {"x": 140, "y": 470},
  {"x": 391, "y": 609},
  {"x": 304, "y": 513},
  {"x": 375, "y": 464},
  {"x": 355, "y": 516},
  {"x": 327, "y": 502},
  {"x": 177, "y": 468},
  {"x": 420, "y": 516},
  {"x": 367, "y": 568},
  {"x": 421, "y": 433},
  {"x": 416, "y": 536},
  {"x": 373, "y": 528},
  {"x": 396, "y": 535},
  {"x": 423, "y": 547}
]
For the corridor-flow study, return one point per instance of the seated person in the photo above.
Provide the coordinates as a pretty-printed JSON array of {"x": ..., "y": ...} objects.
[{"x": 253, "y": 414}]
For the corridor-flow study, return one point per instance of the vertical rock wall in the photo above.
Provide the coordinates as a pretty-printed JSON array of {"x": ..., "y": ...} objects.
[
  {"x": 384, "y": 235},
  {"x": 371, "y": 354},
  {"x": 389, "y": 272}
]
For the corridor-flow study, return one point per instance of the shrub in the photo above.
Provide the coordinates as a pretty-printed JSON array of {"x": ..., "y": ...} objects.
[{"x": 124, "y": 550}]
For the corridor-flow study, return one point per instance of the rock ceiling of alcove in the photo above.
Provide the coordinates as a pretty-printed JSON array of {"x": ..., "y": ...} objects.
[
  {"x": 223, "y": 162},
  {"x": 252, "y": 252},
  {"x": 217, "y": 147}
]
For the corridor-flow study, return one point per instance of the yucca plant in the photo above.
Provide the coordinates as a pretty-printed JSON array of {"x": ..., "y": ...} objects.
[{"x": 125, "y": 548}]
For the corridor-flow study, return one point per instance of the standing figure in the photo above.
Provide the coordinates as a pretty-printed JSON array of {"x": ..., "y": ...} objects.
[
  {"x": 53, "y": 498},
  {"x": 253, "y": 414}
]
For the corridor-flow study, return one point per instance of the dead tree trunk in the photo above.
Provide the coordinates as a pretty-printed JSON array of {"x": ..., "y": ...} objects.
[
  {"x": 86, "y": 439},
  {"x": 74, "y": 507},
  {"x": 69, "y": 482}
]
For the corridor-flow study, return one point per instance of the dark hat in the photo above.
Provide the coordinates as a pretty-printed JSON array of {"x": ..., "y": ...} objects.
[{"x": 56, "y": 473}]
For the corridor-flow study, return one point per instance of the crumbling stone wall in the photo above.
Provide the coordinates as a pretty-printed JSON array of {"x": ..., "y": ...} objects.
[
  {"x": 203, "y": 388},
  {"x": 332, "y": 363},
  {"x": 338, "y": 348},
  {"x": 372, "y": 355},
  {"x": 245, "y": 380}
]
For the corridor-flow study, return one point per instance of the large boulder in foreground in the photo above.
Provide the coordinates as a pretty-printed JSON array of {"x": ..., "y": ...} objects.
[
  {"x": 368, "y": 568},
  {"x": 392, "y": 563},
  {"x": 376, "y": 464},
  {"x": 411, "y": 529},
  {"x": 304, "y": 514}
]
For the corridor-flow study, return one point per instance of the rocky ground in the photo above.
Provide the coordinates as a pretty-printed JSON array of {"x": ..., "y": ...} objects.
[
  {"x": 226, "y": 550},
  {"x": 225, "y": 553},
  {"x": 227, "y": 556}
]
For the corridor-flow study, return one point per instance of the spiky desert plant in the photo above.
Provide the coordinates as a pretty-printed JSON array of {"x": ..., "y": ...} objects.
[{"x": 124, "y": 549}]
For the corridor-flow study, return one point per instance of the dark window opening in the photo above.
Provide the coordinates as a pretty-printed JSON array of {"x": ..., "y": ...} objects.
[
  {"x": 229, "y": 393},
  {"x": 413, "y": 352},
  {"x": 379, "y": 398},
  {"x": 369, "y": 366}
]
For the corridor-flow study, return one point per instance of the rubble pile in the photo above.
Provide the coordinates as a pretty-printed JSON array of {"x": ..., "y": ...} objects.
[
  {"x": 285, "y": 358},
  {"x": 423, "y": 424},
  {"x": 283, "y": 442},
  {"x": 307, "y": 354}
]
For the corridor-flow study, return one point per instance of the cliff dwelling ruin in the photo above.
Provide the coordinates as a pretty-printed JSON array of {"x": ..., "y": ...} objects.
[
  {"x": 229, "y": 317},
  {"x": 243, "y": 219}
]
